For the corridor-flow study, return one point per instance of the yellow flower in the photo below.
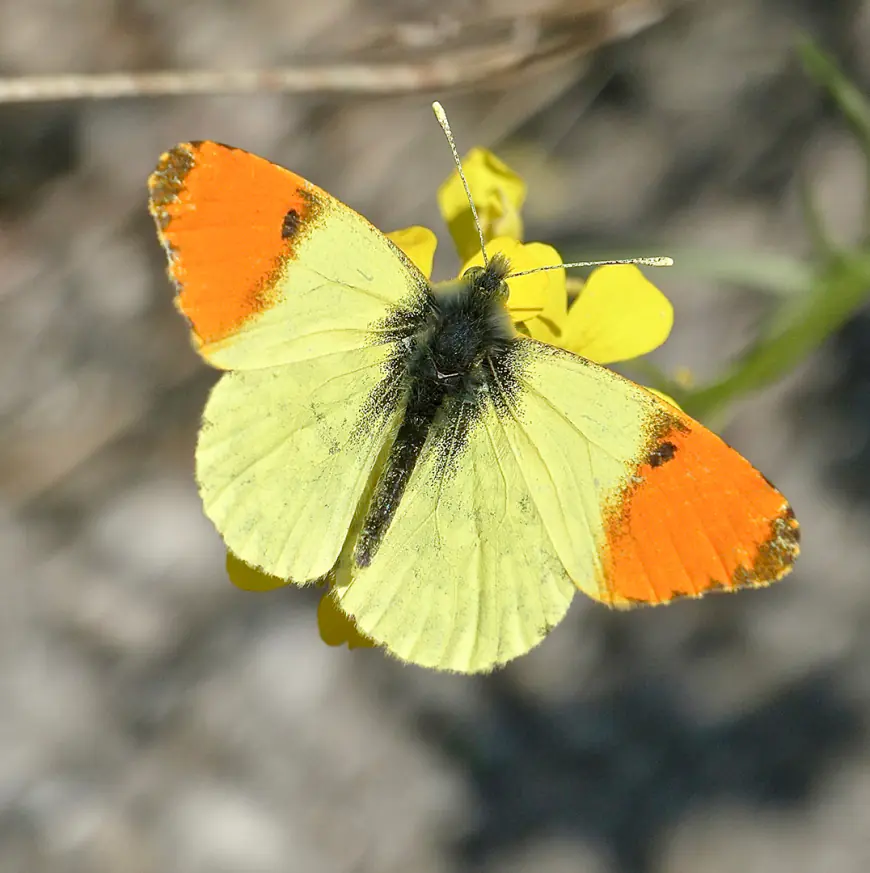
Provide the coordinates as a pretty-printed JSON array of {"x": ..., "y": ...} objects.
[
  {"x": 249, "y": 578},
  {"x": 618, "y": 314},
  {"x": 338, "y": 629},
  {"x": 498, "y": 194},
  {"x": 419, "y": 244}
]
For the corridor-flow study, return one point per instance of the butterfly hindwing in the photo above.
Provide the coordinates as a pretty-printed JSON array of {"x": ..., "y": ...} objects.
[{"x": 284, "y": 455}]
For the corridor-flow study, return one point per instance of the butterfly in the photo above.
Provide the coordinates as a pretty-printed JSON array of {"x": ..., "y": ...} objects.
[{"x": 455, "y": 481}]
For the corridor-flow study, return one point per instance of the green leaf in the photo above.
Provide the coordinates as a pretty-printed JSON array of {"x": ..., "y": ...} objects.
[
  {"x": 798, "y": 329},
  {"x": 851, "y": 102}
]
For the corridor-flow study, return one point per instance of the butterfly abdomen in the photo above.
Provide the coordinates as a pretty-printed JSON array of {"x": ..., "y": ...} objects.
[{"x": 423, "y": 404}]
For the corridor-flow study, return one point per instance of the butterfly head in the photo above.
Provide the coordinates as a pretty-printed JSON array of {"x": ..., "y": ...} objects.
[{"x": 489, "y": 282}]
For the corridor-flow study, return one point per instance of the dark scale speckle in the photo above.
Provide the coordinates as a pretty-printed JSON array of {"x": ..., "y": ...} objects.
[
  {"x": 661, "y": 454},
  {"x": 454, "y": 347},
  {"x": 290, "y": 226}
]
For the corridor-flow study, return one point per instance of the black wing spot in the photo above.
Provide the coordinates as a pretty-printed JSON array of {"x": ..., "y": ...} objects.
[
  {"x": 661, "y": 454},
  {"x": 291, "y": 223}
]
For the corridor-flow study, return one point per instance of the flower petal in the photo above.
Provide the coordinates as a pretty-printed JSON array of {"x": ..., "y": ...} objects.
[
  {"x": 549, "y": 324},
  {"x": 336, "y": 628},
  {"x": 498, "y": 194},
  {"x": 529, "y": 295},
  {"x": 619, "y": 315},
  {"x": 250, "y": 578},
  {"x": 419, "y": 244}
]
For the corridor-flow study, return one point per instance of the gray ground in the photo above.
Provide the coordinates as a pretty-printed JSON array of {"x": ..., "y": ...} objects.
[{"x": 155, "y": 719}]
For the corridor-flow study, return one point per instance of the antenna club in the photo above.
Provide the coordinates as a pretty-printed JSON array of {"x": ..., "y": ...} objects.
[{"x": 662, "y": 261}]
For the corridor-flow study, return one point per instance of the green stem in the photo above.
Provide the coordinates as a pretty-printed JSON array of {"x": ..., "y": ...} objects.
[{"x": 849, "y": 99}]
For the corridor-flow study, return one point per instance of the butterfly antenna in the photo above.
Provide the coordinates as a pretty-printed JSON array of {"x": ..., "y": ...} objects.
[
  {"x": 441, "y": 115},
  {"x": 640, "y": 262}
]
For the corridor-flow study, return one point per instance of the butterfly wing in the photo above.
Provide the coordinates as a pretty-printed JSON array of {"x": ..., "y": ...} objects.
[
  {"x": 291, "y": 290},
  {"x": 269, "y": 268},
  {"x": 574, "y": 477},
  {"x": 672, "y": 510}
]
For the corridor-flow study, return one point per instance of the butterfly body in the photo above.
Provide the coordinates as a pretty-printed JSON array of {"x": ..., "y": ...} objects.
[
  {"x": 452, "y": 347},
  {"x": 456, "y": 482}
]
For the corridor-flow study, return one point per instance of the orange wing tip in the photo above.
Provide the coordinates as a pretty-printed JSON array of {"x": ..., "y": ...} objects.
[
  {"x": 774, "y": 559},
  {"x": 695, "y": 517},
  {"x": 228, "y": 221}
]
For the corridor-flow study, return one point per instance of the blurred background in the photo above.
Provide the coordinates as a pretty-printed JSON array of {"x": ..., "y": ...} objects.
[{"x": 152, "y": 718}]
